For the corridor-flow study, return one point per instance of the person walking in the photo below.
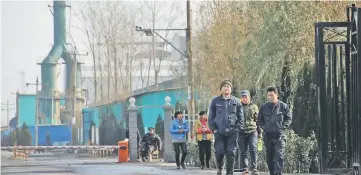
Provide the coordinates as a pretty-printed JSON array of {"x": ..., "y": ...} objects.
[
  {"x": 225, "y": 120},
  {"x": 179, "y": 129},
  {"x": 274, "y": 118},
  {"x": 248, "y": 136},
  {"x": 204, "y": 138}
]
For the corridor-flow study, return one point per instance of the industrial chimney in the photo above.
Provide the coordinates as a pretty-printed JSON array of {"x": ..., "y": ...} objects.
[{"x": 49, "y": 98}]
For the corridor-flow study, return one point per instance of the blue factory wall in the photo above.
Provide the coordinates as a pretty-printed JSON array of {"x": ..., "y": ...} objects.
[
  {"x": 26, "y": 111},
  {"x": 147, "y": 117},
  {"x": 60, "y": 134}
]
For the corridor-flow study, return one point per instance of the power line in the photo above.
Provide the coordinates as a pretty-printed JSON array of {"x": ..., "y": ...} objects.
[{"x": 7, "y": 109}]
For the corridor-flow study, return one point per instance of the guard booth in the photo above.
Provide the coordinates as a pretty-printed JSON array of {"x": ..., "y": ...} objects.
[{"x": 338, "y": 67}]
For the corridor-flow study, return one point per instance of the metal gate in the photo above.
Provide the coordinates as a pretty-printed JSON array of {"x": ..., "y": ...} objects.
[{"x": 338, "y": 67}]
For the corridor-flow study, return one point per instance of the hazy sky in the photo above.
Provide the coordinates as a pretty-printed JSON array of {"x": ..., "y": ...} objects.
[
  {"x": 26, "y": 35},
  {"x": 26, "y": 39}
]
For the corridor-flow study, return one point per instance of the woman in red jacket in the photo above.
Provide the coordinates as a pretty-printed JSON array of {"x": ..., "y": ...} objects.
[{"x": 204, "y": 138}]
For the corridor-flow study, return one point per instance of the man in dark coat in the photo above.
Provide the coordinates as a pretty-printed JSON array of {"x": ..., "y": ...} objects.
[
  {"x": 274, "y": 118},
  {"x": 225, "y": 120},
  {"x": 151, "y": 142}
]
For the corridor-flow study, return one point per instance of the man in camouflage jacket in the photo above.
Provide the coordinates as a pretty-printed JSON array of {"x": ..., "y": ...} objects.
[{"x": 248, "y": 136}]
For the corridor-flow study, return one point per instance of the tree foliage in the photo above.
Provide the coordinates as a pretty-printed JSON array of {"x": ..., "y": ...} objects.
[
  {"x": 298, "y": 157},
  {"x": 140, "y": 124},
  {"x": 261, "y": 44},
  {"x": 119, "y": 53},
  {"x": 21, "y": 136},
  {"x": 159, "y": 127},
  {"x": 111, "y": 131}
]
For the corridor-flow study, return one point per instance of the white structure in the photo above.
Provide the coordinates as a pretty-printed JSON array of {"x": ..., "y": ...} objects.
[{"x": 171, "y": 64}]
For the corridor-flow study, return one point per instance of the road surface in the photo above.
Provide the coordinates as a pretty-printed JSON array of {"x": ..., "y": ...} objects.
[{"x": 68, "y": 164}]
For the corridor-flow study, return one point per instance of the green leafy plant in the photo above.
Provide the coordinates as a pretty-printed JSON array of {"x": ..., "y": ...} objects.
[
  {"x": 21, "y": 136},
  {"x": 298, "y": 156}
]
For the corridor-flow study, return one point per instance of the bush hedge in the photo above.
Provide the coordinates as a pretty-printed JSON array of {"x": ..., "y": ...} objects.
[{"x": 300, "y": 153}]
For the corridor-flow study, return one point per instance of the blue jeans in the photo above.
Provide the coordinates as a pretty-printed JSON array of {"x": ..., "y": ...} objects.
[{"x": 248, "y": 142}]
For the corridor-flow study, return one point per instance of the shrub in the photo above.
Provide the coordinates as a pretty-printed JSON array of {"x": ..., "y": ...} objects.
[
  {"x": 298, "y": 157},
  {"x": 21, "y": 136}
]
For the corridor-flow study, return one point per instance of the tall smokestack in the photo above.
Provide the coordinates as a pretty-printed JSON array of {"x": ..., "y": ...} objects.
[{"x": 49, "y": 66}]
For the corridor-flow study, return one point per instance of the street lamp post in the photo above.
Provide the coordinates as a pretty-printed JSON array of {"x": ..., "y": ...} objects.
[
  {"x": 149, "y": 32},
  {"x": 188, "y": 54},
  {"x": 36, "y": 108}
]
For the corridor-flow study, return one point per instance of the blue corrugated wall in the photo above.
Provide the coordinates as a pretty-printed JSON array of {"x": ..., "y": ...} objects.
[
  {"x": 59, "y": 134},
  {"x": 149, "y": 115},
  {"x": 26, "y": 114}
]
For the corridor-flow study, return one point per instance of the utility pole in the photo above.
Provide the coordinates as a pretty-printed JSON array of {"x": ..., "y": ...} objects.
[
  {"x": 36, "y": 111},
  {"x": 72, "y": 121},
  {"x": 7, "y": 109},
  {"x": 36, "y": 108},
  {"x": 74, "y": 85},
  {"x": 190, "y": 65},
  {"x": 108, "y": 61},
  {"x": 153, "y": 43}
]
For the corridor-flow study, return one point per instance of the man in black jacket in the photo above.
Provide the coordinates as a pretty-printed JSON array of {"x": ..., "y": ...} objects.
[
  {"x": 274, "y": 118},
  {"x": 151, "y": 142},
  {"x": 225, "y": 120}
]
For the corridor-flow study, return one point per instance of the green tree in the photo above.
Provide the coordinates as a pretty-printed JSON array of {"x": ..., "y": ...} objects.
[
  {"x": 107, "y": 131},
  {"x": 159, "y": 127},
  {"x": 140, "y": 123},
  {"x": 14, "y": 136},
  {"x": 121, "y": 130},
  {"x": 23, "y": 136}
]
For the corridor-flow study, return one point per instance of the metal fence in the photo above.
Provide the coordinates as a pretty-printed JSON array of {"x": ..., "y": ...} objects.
[{"x": 338, "y": 67}]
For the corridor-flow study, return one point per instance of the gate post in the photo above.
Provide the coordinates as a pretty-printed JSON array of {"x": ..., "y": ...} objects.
[
  {"x": 133, "y": 128},
  {"x": 168, "y": 146}
]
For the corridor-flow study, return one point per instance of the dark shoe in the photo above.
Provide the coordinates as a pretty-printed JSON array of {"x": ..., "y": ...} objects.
[
  {"x": 183, "y": 165},
  {"x": 219, "y": 172},
  {"x": 202, "y": 167},
  {"x": 208, "y": 165},
  {"x": 178, "y": 167}
]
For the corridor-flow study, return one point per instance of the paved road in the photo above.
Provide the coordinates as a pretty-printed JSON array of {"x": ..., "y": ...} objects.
[
  {"x": 61, "y": 164},
  {"x": 68, "y": 164}
]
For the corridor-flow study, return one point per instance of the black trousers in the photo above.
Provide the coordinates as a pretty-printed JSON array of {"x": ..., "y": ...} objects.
[
  {"x": 148, "y": 149},
  {"x": 226, "y": 145},
  {"x": 204, "y": 147},
  {"x": 275, "y": 151},
  {"x": 178, "y": 148}
]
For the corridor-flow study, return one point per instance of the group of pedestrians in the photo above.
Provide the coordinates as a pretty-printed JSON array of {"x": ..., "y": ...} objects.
[{"x": 236, "y": 126}]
